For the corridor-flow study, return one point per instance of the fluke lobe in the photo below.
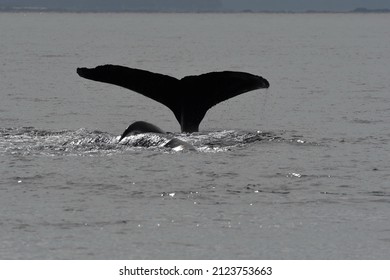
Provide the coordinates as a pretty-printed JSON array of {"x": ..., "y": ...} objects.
[{"x": 188, "y": 98}]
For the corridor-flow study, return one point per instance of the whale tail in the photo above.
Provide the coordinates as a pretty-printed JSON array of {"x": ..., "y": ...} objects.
[{"x": 188, "y": 98}]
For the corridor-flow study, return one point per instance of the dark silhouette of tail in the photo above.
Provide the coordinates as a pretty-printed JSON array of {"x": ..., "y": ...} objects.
[{"x": 189, "y": 98}]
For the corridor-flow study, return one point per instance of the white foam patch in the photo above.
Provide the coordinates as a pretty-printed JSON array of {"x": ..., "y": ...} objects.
[{"x": 178, "y": 148}]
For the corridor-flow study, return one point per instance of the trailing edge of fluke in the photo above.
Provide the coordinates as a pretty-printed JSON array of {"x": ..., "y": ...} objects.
[{"x": 188, "y": 98}]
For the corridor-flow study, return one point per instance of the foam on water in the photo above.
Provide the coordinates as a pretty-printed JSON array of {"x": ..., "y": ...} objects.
[{"x": 28, "y": 140}]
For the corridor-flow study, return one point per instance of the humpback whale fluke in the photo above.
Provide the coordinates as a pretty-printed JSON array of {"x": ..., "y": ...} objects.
[{"x": 188, "y": 98}]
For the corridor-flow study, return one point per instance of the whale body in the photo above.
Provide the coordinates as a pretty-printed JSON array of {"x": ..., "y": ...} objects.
[
  {"x": 141, "y": 127},
  {"x": 145, "y": 127},
  {"x": 188, "y": 98}
]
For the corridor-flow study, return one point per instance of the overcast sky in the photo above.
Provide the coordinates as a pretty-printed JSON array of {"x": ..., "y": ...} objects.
[{"x": 303, "y": 5}]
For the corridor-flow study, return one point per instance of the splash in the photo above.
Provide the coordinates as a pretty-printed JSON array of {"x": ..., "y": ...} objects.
[{"x": 28, "y": 140}]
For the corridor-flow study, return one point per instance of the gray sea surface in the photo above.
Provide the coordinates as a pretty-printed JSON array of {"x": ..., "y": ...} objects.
[{"x": 298, "y": 171}]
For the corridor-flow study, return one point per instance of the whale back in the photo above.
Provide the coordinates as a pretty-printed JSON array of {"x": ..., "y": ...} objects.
[{"x": 141, "y": 127}]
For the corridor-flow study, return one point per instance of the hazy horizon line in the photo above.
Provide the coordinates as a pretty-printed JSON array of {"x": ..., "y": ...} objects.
[{"x": 221, "y": 11}]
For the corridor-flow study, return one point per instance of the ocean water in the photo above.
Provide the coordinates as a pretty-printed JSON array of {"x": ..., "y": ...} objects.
[{"x": 298, "y": 171}]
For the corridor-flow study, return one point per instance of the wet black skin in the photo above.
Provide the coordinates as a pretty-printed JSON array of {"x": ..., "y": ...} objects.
[{"x": 188, "y": 98}]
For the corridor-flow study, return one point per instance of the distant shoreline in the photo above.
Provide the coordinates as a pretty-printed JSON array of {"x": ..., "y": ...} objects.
[{"x": 148, "y": 11}]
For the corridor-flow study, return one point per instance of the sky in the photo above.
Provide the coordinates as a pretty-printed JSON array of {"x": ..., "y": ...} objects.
[
  {"x": 232, "y": 5},
  {"x": 304, "y": 5}
]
